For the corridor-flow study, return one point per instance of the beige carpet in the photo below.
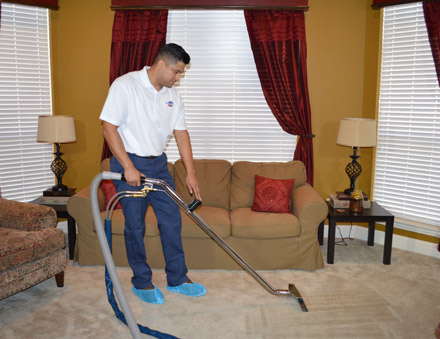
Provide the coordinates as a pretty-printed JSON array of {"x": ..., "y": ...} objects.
[{"x": 357, "y": 297}]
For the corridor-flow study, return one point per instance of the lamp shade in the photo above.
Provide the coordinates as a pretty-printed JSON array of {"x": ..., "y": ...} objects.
[
  {"x": 356, "y": 132},
  {"x": 56, "y": 129}
]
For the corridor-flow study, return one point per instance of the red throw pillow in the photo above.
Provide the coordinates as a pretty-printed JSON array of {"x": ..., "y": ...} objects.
[
  {"x": 272, "y": 195},
  {"x": 109, "y": 190}
]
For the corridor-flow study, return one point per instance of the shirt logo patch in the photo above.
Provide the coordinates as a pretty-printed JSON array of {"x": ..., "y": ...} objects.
[{"x": 170, "y": 103}]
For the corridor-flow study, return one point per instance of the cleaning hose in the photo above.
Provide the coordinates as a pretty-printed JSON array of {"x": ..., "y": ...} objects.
[{"x": 111, "y": 275}]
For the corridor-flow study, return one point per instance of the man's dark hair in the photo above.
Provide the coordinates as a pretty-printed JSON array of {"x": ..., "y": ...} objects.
[{"x": 172, "y": 54}]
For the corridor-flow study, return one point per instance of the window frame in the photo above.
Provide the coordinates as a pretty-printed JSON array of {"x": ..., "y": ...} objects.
[
  {"x": 403, "y": 221},
  {"x": 26, "y": 91}
]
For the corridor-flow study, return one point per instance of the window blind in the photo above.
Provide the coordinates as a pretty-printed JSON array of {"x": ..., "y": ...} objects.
[
  {"x": 407, "y": 175},
  {"x": 25, "y": 93},
  {"x": 226, "y": 112}
]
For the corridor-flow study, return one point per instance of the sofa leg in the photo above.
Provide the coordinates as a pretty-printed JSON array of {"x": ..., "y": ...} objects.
[{"x": 60, "y": 279}]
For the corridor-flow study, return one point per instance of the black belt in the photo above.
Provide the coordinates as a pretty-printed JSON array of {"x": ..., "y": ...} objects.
[{"x": 150, "y": 157}]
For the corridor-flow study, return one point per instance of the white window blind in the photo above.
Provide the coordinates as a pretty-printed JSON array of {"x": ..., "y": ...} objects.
[
  {"x": 407, "y": 177},
  {"x": 226, "y": 112},
  {"x": 25, "y": 93}
]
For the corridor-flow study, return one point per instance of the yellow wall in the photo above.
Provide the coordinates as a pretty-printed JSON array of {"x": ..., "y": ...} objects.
[
  {"x": 342, "y": 38},
  {"x": 81, "y": 37},
  {"x": 342, "y": 83}
]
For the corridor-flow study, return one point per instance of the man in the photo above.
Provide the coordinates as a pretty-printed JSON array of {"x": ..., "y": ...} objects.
[{"x": 141, "y": 112}]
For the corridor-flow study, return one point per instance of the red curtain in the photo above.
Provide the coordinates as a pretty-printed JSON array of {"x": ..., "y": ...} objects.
[
  {"x": 432, "y": 19},
  {"x": 278, "y": 42},
  {"x": 137, "y": 38}
]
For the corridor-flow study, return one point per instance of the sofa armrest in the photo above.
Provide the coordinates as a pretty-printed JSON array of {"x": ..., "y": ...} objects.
[
  {"x": 79, "y": 206},
  {"x": 308, "y": 206},
  {"x": 26, "y": 217}
]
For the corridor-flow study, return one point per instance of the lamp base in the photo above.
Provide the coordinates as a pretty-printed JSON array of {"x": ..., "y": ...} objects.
[
  {"x": 65, "y": 193},
  {"x": 59, "y": 188},
  {"x": 348, "y": 191},
  {"x": 343, "y": 195},
  {"x": 353, "y": 170}
]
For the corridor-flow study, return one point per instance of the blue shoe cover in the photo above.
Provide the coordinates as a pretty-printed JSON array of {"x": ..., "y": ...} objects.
[
  {"x": 150, "y": 296},
  {"x": 192, "y": 290}
]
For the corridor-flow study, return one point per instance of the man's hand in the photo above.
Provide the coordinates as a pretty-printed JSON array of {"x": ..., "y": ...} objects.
[
  {"x": 193, "y": 186},
  {"x": 133, "y": 176}
]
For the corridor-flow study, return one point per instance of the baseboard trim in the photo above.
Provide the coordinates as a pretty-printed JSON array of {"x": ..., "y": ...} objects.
[{"x": 400, "y": 242}]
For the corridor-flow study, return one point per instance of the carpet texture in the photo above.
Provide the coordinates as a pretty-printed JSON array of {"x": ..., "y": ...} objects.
[{"x": 357, "y": 297}]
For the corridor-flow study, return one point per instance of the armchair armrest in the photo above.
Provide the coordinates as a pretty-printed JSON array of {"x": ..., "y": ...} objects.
[
  {"x": 26, "y": 217},
  {"x": 308, "y": 206}
]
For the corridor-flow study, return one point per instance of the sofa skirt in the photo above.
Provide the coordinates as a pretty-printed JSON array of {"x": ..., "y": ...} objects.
[{"x": 204, "y": 253}]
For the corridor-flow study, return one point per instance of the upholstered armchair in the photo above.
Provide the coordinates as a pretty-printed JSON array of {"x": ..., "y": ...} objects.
[{"x": 32, "y": 249}]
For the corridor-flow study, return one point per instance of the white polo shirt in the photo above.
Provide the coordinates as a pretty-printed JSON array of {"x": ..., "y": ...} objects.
[{"x": 146, "y": 117}]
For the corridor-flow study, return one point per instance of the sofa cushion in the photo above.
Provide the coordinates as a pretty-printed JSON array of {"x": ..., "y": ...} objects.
[
  {"x": 18, "y": 247},
  {"x": 272, "y": 195},
  {"x": 214, "y": 177},
  {"x": 216, "y": 218},
  {"x": 260, "y": 225},
  {"x": 243, "y": 182}
]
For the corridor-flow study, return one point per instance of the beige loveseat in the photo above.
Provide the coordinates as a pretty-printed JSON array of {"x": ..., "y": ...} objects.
[{"x": 264, "y": 240}]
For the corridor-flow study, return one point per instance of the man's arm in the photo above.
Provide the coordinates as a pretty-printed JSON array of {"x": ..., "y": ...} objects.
[
  {"x": 184, "y": 145},
  {"x": 114, "y": 142}
]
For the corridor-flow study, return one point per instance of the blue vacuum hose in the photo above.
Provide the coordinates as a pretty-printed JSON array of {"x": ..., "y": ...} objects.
[
  {"x": 111, "y": 275},
  {"x": 111, "y": 297}
]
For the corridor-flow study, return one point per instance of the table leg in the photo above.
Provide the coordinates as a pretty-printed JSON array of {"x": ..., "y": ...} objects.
[
  {"x": 371, "y": 230},
  {"x": 321, "y": 233},
  {"x": 71, "y": 230},
  {"x": 331, "y": 241},
  {"x": 389, "y": 227}
]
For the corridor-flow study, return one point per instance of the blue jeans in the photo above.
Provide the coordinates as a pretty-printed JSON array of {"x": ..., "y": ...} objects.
[{"x": 168, "y": 219}]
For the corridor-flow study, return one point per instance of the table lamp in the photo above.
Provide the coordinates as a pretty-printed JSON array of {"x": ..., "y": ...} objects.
[
  {"x": 355, "y": 132},
  {"x": 57, "y": 129}
]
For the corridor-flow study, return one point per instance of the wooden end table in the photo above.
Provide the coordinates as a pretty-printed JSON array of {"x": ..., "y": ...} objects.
[
  {"x": 59, "y": 204},
  {"x": 371, "y": 215}
]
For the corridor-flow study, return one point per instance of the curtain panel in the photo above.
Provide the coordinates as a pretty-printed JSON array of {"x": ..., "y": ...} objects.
[
  {"x": 278, "y": 42},
  {"x": 136, "y": 39},
  {"x": 431, "y": 11},
  {"x": 51, "y": 4},
  {"x": 209, "y": 4}
]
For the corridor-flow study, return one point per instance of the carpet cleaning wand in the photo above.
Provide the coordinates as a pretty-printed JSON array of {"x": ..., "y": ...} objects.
[{"x": 189, "y": 210}]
